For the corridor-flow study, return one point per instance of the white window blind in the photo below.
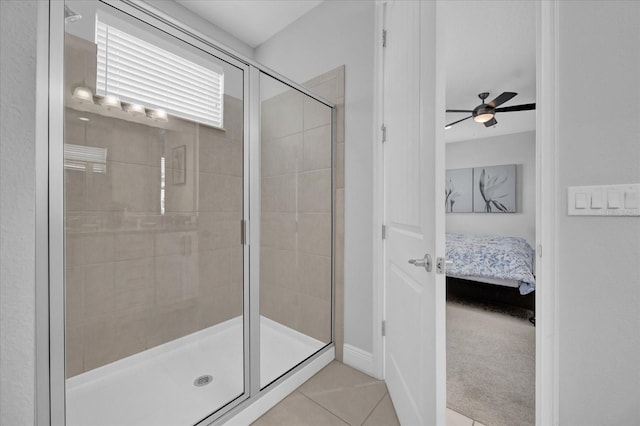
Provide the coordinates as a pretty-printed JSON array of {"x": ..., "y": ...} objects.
[{"x": 139, "y": 72}]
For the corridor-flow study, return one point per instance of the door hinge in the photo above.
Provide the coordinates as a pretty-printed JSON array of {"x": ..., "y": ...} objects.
[
  {"x": 384, "y": 133},
  {"x": 384, "y": 328},
  {"x": 244, "y": 232},
  {"x": 384, "y": 232},
  {"x": 384, "y": 38},
  {"x": 540, "y": 250}
]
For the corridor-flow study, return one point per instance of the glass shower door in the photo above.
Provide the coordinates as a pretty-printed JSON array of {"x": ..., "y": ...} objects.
[
  {"x": 296, "y": 228},
  {"x": 154, "y": 197}
]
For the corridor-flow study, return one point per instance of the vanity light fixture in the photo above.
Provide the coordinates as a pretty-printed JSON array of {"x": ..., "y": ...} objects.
[
  {"x": 157, "y": 114},
  {"x": 134, "y": 109},
  {"x": 83, "y": 95},
  {"x": 110, "y": 102}
]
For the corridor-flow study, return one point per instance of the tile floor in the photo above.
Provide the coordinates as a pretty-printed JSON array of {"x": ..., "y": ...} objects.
[{"x": 340, "y": 395}]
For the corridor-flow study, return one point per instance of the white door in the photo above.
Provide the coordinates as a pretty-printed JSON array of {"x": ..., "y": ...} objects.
[{"x": 414, "y": 215}]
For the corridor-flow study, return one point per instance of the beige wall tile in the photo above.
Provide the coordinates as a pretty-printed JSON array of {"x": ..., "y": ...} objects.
[
  {"x": 268, "y": 194},
  {"x": 99, "y": 289},
  {"x": 220, "y": 193},
  {"x": 74, "y": 350},
  {"x": 169, "y": 243},
  {"x": 129, "y": 245},
  {"x": 281, "y": 305},
  {"x": 172, "y": 284},
  {"x": 315, "y": 191},
  {"x": 99, "y": 248},
  {"x": 220, "y": 305},
  {"x": 134, "y": 285},
  {"x": 340, "y": 121},
  {"x": 315, "y": 113},
  {"x": 278, "y": 230},
  {"x": 326, "y": 89},
  {"x": 74, "y": 249},
  {"x": 314, "y": 317},
  {"x": 215, "y": 151},
  {"x": 268, "y": 267},
  {"x": 339, "y": 165},
  {"x": 215, "y": 269},
  {"x": 314, "y": 275},
  {"x": 234, "y": 117},
  {"x": 286, "y": 192},
  {"x": 74, "y": 295},
  {"x": 281, "y": 156},
  {"x": 315, "y": 233},
  {"x": 282, "y": 115},
  {"x": 168, "y": 323},
  {"x": 74, "y": 190},
  {"x": 317, "y": 148},
  {"x": 218, "y": 230},
  {"x": 125, "y": 141},
  {"x": 237, "y": 267}
]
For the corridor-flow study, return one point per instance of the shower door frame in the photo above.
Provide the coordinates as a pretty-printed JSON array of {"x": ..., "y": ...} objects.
[{"x": 50, "y": 277}]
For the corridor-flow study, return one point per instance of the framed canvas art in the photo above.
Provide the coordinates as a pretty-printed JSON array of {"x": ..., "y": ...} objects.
[
  {"x": 494, "y": 189},
  {"x": 459, "y": 191}
]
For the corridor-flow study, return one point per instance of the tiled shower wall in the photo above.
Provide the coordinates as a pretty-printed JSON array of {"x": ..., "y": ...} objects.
[
  {"x": 137, "y": 277},
  {"x": 296, "y": 209}
]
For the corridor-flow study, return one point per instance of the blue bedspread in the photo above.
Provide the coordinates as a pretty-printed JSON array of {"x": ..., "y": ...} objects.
[{"x": 492, "y": 256}]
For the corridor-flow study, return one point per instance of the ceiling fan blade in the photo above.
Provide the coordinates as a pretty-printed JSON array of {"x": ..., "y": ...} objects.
[
  {"x": 523, "y": 107},
  {"x": 504, "y": 97},
  {"x": 456, "y": 122},
  {"x": 491, "y": 122},
  {"x": 460, "y": 110}
]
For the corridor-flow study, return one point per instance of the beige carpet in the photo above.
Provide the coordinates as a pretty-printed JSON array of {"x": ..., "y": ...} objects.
[{"x": 490, "y": 364}]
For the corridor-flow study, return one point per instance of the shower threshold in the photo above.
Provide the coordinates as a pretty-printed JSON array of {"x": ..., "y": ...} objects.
[{"x": 182, "y": 381}]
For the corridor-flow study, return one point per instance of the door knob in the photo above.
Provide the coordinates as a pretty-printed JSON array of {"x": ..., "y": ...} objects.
[{"x": 425, "y": 262}]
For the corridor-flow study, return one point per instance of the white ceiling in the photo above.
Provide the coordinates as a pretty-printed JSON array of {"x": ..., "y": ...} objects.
[
  {"x": 252, "y": 21},
  {"x": 490, "y": 47}
]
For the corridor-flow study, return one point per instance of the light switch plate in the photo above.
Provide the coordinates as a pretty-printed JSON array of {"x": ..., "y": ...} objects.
[{"x": 604, "y": 200}]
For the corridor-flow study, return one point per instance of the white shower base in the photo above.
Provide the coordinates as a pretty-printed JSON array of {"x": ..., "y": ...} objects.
[{"x": 156, "y": 387}]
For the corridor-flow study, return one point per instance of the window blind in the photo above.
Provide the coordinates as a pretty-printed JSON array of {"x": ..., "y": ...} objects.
[{"x": 139, "y": 72}]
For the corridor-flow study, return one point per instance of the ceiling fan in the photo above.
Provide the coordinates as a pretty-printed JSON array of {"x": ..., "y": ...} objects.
[{"x": 485, "y": 113}]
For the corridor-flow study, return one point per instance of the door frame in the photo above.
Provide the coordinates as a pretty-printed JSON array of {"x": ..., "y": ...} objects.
[{"x": 547, "y": 333}]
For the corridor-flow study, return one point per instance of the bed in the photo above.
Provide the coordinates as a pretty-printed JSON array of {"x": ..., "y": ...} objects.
[{"x": 506, "y": 261}]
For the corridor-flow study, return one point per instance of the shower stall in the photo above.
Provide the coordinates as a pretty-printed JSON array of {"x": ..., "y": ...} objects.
[{"x": 191, "y": 222}]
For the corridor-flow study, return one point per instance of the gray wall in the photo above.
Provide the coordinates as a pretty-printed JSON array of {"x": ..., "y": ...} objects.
[
  {"x": 332, "y": 34},
  {"x": 17, "y": 211},
  {"x": 517, "y": 148},
  {"x": 599, "y": 258}
]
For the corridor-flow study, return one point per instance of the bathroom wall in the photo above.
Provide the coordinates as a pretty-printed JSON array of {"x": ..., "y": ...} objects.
[
  {"x": 296, "y": 207},
  {"x": 138, "y": 276}
]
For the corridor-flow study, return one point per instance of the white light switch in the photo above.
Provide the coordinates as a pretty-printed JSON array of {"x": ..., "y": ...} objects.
[
  {"x": 596, "y": 199},
  {"x": 631, "y": 200},
  {"x": 604, "y": 200},
  {"x": 581, "y": 200},
  {"x": 613, "y": 199}
]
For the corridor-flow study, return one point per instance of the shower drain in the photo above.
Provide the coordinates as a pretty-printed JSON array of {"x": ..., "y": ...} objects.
[{"x": 203, "y": 380}]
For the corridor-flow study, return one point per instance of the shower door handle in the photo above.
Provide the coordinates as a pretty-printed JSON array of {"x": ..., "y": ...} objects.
[{"x": 425, "y": 262}]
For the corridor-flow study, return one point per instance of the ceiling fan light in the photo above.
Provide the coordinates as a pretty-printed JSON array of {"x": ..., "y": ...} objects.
[{"x": 483, "y": 117}]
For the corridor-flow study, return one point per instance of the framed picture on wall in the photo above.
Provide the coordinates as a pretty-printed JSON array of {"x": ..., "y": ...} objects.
[
  {"x": 494, "y": 189},
  {"x": 459, "y": 191},
  {"x": 179, "y": 164}
]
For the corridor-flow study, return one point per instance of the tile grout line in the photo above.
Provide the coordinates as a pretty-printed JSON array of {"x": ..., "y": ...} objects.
[
  {"x": 324, "y": 408},
  {"x": 376, "y": 406}
]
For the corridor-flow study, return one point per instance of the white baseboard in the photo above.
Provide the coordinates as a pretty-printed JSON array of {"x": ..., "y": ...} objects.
[
  {"x": 267, "y": 401},
  {"x": 358, "y": 359}
]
